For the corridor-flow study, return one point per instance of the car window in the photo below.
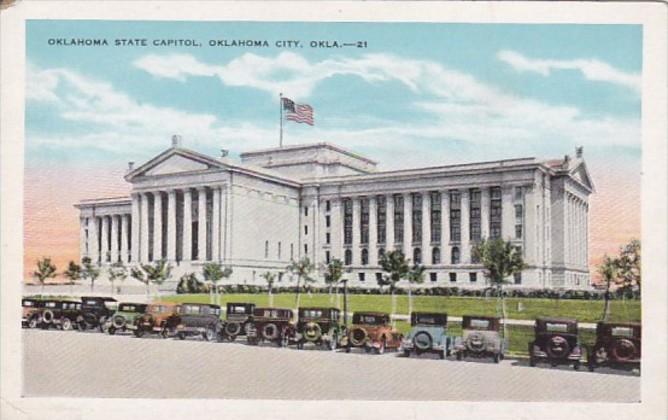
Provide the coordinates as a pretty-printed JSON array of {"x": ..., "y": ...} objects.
[
  {"x": 190, "y": 309},
  {"x": 370, "y": 319},
  {"x": 90, "y": 302},
  {"x": 622, "y": 332},
  {"x": 50, "y": 304},
  {"x": 312, "y": 313},
  {"x": 238, "y": 309},
  {"x": 28, "y": 303},
  {"x": 481, "y": 324},
  {"x": 556, "y": 327},
  {"x": 156, "y": 309}
]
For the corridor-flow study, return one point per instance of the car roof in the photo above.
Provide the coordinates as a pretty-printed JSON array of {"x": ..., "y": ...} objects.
[
  {"x": 261, "y": 308},
  {"x": 201, "y": 304},
  {"x": 563, "y": 320},
  {"x": 491, "y": 318},
  {"x": 371, "y": 313},
  {"x": 317, "y": 308},
  {"x": 429, "y": 313},
  {"x": 619, "y": 324},
  {"x": 104, "y": 298},
  {"x": 164, "y": 304}
]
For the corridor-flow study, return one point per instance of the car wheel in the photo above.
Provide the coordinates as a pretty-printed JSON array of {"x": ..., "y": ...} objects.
[
  {"x": 576, "y": 366},
  {"x": 497, "y": 358},
  {"x": 209, "y": 334},
  {"x": 181, "y": 335},
  {"x": 441, "y": 354},
  {"x": 138, "y": 333},
  {"x": 111, "y": 330},
  {"x": 66, "y": 324},
  {"x": 381, "y": 349},
  {"x": 459, "y": 355}
]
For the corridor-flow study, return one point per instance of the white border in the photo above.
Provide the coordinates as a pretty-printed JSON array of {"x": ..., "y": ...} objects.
[{"x": 654, "y": 209}]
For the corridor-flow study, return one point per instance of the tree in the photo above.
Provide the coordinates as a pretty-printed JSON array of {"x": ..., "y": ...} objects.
[
  {"x": 117, "y": 271},
  {"x": 73, "y": 273},
  {"x": 394, "y": 263},
  {"x": 415, "y": 276},
  {"x": 157, "y": 272},
  {"x": 270, "y": 278},
  {"x": 302, "y": 269},
  {"x": 137, "y": 272},
  {"x": 213, "y": 272},
  {"x": 608, "y": 270},
  {"x": 628, "y": 266},
  {"x": 500, "y": 260},
  {"x": 45, "y": 270},
  {"x": 89, "y": 271},
  {"x": 333, "y": 273}
]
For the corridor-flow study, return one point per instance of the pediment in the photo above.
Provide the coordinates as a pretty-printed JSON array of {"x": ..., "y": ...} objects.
[
  {"x": 581, "y": 174},
  {"x": 175, "y": 164},
  {"x": 174, "y": 161}
]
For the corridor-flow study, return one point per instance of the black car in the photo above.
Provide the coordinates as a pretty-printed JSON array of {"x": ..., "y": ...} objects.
[
  {"x": 237, "y": 318},
  {"x": 199, "y": 319},
  {"x": 556, "y": 342},
  {"x": 32, "y": 312},
  {"x": 319, "y": 326},
  {"x": 95, "y": 311},
  {"x": 61, "y": 314},
  {"x": 617, "y": 345}
]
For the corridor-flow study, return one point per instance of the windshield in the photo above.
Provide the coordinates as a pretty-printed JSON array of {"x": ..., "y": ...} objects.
[
  {"x": 50, "y": 304},
  {"x": 369, "y": 319},
  {"x": 479, "y": 324},
  {"x": 28, "y": 303},
  {"x": 91, "y": 302},
  {"x": 556, "y": 327},
  {"x": 622, "y": 332},
  {"x": 128, "y": 308},
  {"x": 191, "y": 309},
  {"x": 311, "y": 313},
  {"x": 237, "y": 309}
]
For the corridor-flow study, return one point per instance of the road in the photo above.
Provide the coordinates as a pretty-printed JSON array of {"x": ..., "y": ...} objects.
[{"x": 87, "y": 364}]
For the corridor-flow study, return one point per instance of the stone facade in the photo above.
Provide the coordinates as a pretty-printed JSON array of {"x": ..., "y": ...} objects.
[{"x": 324, "y": 202}]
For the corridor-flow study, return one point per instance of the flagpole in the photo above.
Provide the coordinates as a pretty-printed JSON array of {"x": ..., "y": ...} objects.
[{"x": 280, "y": 106}]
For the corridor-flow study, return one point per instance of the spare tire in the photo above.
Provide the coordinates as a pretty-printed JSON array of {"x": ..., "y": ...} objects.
[
  {"x": 557, "y": 347},
  {"x": 312, "y": 331},
  {"x": 48, "y": 316},
  {"x": 623, "y": 349},
  {"x": 118, "y": 322},
  {"x": 423, "y": 341},
  {"x": 475, "y": 342},
  {"x": 270, "y": 331},
  {"x": 357, "y": 336},
  {"x": 232, "y": 328}
]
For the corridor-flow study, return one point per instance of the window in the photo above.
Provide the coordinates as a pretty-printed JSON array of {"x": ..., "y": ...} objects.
[
  {"x": 473, "y": 277},
  {"x": 305, "y": 210},
  {"x": 328, "y": 205},
  {"x": 495, "y": 213},
  {"x": 379, "y": 277},
  {"x": 292, "y": 251},
  {"x": 474, "y": 215},
  {"x": 365, "y": 256},
  {"x": 417, "y": 256},
  {"x": 327, "y": 257},
  {"x": 454, "y": 259},
  {"x": 455, "y": 216},
  {"x": 381, "y": 252},
  {"x": 360, "y": 276},
  {"x": 474, "y": 258},
  {"x": 433, "y": 276},
  {"x": 519, "y": 220},
  {"x": 435, "y": 206},
  {"x": 328, "y": 221},
  {"x": 279, "y": 250},
  {"x": 305, "y": 229},
  {"x": 348, "y": 257},
  {"x": 305, "y": 248},
  {"x": 518, "y": 278},
  {"x": 518, "y": 193},
  {"x": 364, "y": 220},
  {"x": 266, "y": 249},
  {"x": 328, "y": 238},
  {"x": 436, "y": 255},
  {"x": 347, "y": 221},
  {"x": 453, "y": 277},
  {"x": 381, "y": 218},
  {"x": 416, "y": 220},
  {"x": 398, "y": 218}
]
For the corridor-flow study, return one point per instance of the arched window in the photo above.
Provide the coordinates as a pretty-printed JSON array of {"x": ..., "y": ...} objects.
[
  {"x": 436, "y": 255},
  {"x": 455, "y": 255},
  {"x": 417, "y": 255},
  {"x": 348, "y": 257},
  {"x": 365, "y": 256}
]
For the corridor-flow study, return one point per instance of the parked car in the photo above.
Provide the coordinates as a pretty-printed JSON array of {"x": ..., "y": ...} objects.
[
  {"x": 372, "y": 331},
  {"x": 428, "y": 334},
  {"x": 481, "y": 338},
  {"x": 95, "y": 311},
  {"x": 617, "y": 345},
  {"x": 58, "y": 313},
  {"x": 125, "y": 315},
  {"x": 32, "y": 312},
  {"x": 237, "y": 318},
  {"x": 160, "y": 318},
  {"x": 320, "y": 326},
  {"x": 271, "y": 324},
  {"x": 556, "y": 342},
  {"x": 199, "y": 319}
]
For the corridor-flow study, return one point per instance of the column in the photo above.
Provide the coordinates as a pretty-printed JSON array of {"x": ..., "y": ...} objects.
[
  {"x": 201, "y": 225},
  {"x": 135, "y": 228},
  {"x": 93, "y": 242},
  {"x": 373, "y": 230},
  {"x": 389, "y": 223},
  {"x": 143, "y": 235},
  {"x": 356, "y": 231},
  {"x": 408, "y": 226},
  {"x": 171, "y": 225},
  {"x": 465, "y": 249},
  {"x": 125, "y": 246},
  {"x": 336, "y": 229},
  {"x": 157, "y": 226},
  {"x": 426, "y": 228},
  {"x": 114, "y": 238},
  {"x": 187, "y": 225},
  {"x": 83, "y": 244},
  {"x": 223, "y": 224},
  {"x": 104, "y": 249},
  {"x": 445, "y": 227},
  {"x": 484, "y": 213},
  {"x": 215, "y": 225}
]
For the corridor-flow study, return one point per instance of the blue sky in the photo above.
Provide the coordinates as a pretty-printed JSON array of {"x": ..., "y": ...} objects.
[{"x": 430, "y": 93}]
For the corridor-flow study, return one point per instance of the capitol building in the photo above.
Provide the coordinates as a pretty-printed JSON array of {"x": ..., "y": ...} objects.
[{"x": 322, "y": 201}]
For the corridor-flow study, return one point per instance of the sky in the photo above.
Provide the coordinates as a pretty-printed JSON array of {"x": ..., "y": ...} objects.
[{"x": 404, "y": 94}]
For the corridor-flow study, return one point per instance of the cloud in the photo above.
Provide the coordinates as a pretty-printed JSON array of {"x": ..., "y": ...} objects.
[{"x": 591, "y": 69}]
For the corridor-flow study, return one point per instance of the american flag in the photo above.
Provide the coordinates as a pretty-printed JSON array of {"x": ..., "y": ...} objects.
[{"x": 300, "y": 113}]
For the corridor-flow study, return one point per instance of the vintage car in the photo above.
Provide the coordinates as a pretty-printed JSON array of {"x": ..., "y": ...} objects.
[
  {"x": 319, "y": 326},
  {"x": 271, "y": 324},
  {"x": 160, "y": 318},
  {"x": 124, "y": 316},
  {"x": 556, "y": 342},
  {"x": 237, "y": 317},
  {"x": 480, "y": 338},
  {"x": 58, "y": 313},
  {"x": 32, "y": 312},
  {"x": 199, "y": 319},
  {"x": 372, "y": 331},
  {"x": 428, "y": 334},
  {"x": 617, "y": 345},
  {"x": 95, "y": 311}
]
